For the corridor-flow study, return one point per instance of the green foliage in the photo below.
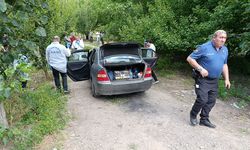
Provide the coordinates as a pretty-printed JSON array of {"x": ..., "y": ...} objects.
[
  {"x": 12, "y": 81},
  {"x": 172, "y": 25},
  {"x": 223, "y": 92},
  {"x": 5, "y": 135},
  {"x": 42, "y": 112},
  {"x": 40, "y": 31},
  {"x": 3, "y": 6},
  {"x": 240, "y": 65},
  {"x": 239, "y": 92}
]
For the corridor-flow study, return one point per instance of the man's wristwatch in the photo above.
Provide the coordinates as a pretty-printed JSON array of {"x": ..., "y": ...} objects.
[{"x": 199, "y": 69}]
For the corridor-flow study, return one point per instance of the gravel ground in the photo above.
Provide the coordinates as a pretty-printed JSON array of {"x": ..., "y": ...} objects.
[{"x": 155, "y": 120}]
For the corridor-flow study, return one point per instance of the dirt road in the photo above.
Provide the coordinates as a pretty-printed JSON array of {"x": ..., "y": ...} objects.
[{"x": 155, "y": 120}]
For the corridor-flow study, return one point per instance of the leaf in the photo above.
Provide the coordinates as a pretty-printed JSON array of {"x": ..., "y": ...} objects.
[
  {"x": 5, "y": 140},
  {"x": 15, "y": 23},
  {"x": 45, "y": 5},
  {"x": 13, "y": 43},
  {"x": 32, "y": 2},
  {"x": 3, "y": 6},
  {"x": 7, "y": 30},
  {"x": 7, "y": 92},
  {"x": 30, "y": 45},
  {"x": 44, "y": 19},
  {"x": 23, "y": 16},
  {"x": 4, "y": 18},
  {"x": 40, "y": 31}
]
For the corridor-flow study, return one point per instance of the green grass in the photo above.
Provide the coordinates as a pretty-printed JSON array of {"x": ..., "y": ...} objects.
[
  {"x": 32, "y": 115},
  {"x": 237, "y": 91}
]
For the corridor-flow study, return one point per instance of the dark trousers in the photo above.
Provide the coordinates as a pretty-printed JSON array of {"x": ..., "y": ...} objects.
[
  {"x": 154, "y": 76},
  {"x": 206, "y": 91},
  {"x": 57, "y": 79}
]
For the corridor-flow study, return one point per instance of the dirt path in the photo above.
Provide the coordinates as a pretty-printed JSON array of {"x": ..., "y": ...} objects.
[{"x": 155, "y": 120}]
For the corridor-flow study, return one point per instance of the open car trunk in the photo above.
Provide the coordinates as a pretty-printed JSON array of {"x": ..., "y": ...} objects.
[{"x": 125, "y": 72}]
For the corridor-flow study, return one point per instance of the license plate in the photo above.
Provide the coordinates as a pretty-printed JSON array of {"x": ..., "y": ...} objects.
[{"x": 124, "y": 74}]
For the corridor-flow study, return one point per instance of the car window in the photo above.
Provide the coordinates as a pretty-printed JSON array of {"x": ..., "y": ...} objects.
[
  {"x": 147, "y": 53},
  {"x": 79, "y": 56}
]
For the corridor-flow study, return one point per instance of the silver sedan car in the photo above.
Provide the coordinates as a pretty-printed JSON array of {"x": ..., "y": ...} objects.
[{"x": 114, "y": 68}]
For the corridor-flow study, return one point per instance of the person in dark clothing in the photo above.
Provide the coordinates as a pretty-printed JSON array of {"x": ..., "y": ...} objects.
[
  {"x": 101, "y": 37},
  {"x": 209, "y": 60}
]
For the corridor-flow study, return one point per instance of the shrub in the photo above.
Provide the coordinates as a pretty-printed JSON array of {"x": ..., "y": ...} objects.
[{"x": 43, "y": 112}]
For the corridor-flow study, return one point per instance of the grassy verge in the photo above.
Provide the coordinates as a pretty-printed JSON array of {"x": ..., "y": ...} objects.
[
  {"x": 32, "y": 115},
  {"x": 236, "y": 91}
]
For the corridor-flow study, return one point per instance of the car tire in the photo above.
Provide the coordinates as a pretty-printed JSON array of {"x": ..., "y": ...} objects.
[{"x": 93, "y": 91}]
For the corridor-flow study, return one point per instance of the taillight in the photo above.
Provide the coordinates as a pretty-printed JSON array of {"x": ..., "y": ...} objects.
[
  {"x": 148, "y": 73},
  {"x": 102, "y": 76}
]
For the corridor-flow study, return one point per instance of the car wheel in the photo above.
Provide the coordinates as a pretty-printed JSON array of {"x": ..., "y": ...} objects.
[{"x": 93, "y": 90}]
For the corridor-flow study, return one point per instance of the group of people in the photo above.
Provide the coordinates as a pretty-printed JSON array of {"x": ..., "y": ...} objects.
[
  {"x": 209, "y": 61},
  {"x": 56, "y": 56},
  {"x": 74, "y": 42}
]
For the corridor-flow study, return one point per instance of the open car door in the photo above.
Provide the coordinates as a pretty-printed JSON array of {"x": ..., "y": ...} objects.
[
  {"x": 78, "y": 67},
  {"x": 149, "y": 56}
]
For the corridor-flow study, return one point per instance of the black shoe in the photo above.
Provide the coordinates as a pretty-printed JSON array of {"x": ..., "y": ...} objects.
[
  {"x": 193, "y": 120},
  {"x": 207, "y": 123}
]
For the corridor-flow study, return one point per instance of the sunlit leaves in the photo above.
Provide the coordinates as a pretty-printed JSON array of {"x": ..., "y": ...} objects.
[
  {"x": 3, "y": 6},
  {"x": 40, "y": 31},
  {"x": 23, "y": 16},
  {"x": 44, "y": 19},
  {"x": 30, "y": 45}
]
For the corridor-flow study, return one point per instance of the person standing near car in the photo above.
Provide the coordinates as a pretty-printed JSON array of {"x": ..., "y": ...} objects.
[
  {"x": 149, "y": 44},
  {"x": 77, "y": 44},
  {"x": 210, "y": 60},
  {"x": 56, "y": 54}
]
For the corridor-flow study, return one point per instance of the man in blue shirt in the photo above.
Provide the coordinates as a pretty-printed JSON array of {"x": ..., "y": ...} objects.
[{"x": 209, "y": 60}]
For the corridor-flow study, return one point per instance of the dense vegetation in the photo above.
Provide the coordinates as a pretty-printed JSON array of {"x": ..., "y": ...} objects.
[{"x": 175, "y": 27}]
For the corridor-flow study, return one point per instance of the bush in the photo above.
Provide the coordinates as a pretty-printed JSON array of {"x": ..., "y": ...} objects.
[{"x": 43, "y": 112}]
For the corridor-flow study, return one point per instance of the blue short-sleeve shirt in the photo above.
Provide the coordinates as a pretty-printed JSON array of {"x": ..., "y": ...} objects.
[{"x": 209, "y": 58}]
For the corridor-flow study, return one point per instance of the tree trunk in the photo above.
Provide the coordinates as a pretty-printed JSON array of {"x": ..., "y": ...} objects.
[
  {"x": 45, "y": 70},
  {"x": 3, "y": 119}
]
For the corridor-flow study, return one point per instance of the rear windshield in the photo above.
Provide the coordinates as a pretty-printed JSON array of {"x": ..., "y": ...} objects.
[
  {"x": 120, "y": 50},
  {"x": 121, "y": 58}
]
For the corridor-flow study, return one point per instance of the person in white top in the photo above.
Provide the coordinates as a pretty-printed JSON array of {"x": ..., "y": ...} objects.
[
  {"x": 150, "y": 45},
  {"x": 98, "y": 36},
  {"x": 78, "y": 44},
  {"x": 56, "y": 56}
]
